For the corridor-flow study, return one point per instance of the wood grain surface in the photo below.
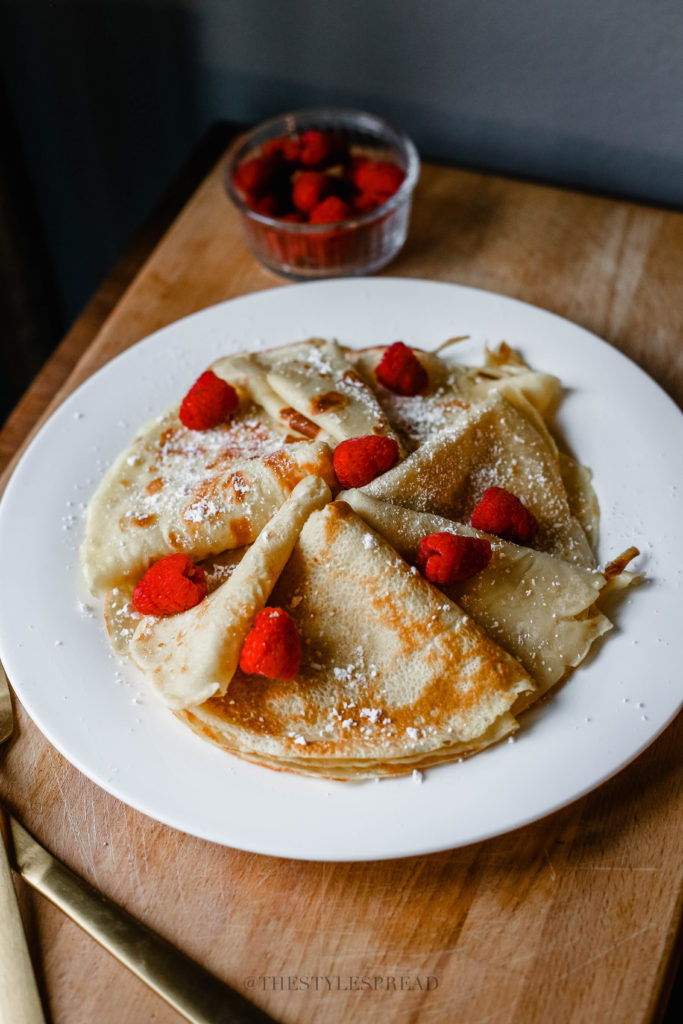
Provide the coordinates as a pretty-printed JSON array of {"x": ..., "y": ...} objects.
[{"x": 573, "y": 919}]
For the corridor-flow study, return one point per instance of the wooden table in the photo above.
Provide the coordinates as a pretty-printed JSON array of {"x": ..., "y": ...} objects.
[{"x": 573, "y": 919}]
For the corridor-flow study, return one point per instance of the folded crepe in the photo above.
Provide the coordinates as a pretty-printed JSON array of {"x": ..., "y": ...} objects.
[
  {"x": 453, "y": 388},
  {"x": 120, "y": 616},
  {"x": 311, "y": 387},
  {"x": 491, "y": 444},
  {"x": 394, "y": 675},
  {"x": 246, "y": 373},
  {"x": 199, "y": 492},
  {"x": 193, "y": 655},
  {"x": 541, "y": 609}
]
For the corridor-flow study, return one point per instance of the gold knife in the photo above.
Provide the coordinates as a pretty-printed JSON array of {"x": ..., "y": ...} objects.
[
  {"x": 19, "y": 998},
  {"x": 188, "y": 988}
]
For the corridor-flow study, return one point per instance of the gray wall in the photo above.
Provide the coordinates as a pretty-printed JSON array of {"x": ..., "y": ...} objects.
[
  {"x": 586, "y": 92},
  {"x": 110, "y": 96}
]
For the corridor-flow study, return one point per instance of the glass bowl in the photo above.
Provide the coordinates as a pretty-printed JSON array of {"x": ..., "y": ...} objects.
[{"x": 361, "y": 243}]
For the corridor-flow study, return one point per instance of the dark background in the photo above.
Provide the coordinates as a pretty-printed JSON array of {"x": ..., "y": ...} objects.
[{"x": 102, "y": 101}]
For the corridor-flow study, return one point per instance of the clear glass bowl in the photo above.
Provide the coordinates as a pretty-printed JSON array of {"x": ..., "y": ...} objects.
[{"x": 358, "y": 245}]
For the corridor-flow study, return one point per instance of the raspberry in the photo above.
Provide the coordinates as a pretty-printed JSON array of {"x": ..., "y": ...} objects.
[
  {"x": 171, "y": 585},
  {"x": 447, "y": 558},
  {"x": 291, "y": 150},
  {"x": 268, "y": 205},
  {"x": 309, "y": 189},
  {"x": 380, "y": 177},
  {"x": 329, "y": 211},
  {"x": 209, "y": 401},
  {"x": 401, "y": 371},
  {"x": 367, "y": 201},
  {"x": 355, "y": 168},
  {"x": 318, "y": 148},
  {"x": 272, "y": 647},
  {"x": 282, "y": 149},
  {"x": 504, "y": 515},
  {"x": 272, "y": 149},
  {"x": 360, "y": 459},
  {"x": 254, "y": 176}
]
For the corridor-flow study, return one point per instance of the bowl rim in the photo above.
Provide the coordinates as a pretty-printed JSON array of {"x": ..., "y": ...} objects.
[{"x": 280, "y": 122}]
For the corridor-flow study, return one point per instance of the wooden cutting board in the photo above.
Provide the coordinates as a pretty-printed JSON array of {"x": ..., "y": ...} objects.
[{"x": 572, "y": 919}]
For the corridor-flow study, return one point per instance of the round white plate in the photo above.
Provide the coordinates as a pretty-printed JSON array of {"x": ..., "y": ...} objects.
[{"x": 100, "y": 714}]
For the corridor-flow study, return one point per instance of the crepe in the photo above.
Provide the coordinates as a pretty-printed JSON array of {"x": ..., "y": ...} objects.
[
  {"x": 310, "y": 383},
  {"x": 199, "y": 492},
  {"x": 583, "y": 501},
  {"x": 491, "y": 444},
  {"x": 541, "y": 609},
  {"x": 246, "y": 373},
  {"x": 394, "y": 676},
  {"x": 120, "y": 616},
  {"x": 454, "y": 388},
  {"x": 193, "y": 655}
]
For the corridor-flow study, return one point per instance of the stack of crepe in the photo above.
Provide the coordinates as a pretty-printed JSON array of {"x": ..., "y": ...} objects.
[{"x": 396, "y": 673}]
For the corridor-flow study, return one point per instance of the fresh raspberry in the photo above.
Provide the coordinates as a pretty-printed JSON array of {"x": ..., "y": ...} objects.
[
  {"x": 310, "y": 188},
  {"x": 504, "y": 515},
  {"x": 380, "y": 177},
  {"x": 320, "y": 148},
  {"x": 360, "y": 459},
  {"x": 209, "y": 401},
  {"x": 447, "y": 558},
  {"x": 254, "y": 176},
  {"x": 329, "y": 211},
  {"x": 354, "y": 169},
  {"x": 401, "y": 371},
  {"x": 268, "y": 205},
  {"x": 272, "y": 149},
  {"x": 287, "y": 149},
  {"x": 291, "y": 150},
  {"x": 367, "y": 201},
  {"x": 272, "y": 647},
  {"x": 171, "y": 585}
]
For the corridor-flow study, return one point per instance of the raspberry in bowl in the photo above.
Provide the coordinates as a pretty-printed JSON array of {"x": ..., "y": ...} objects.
[{"x": 323, "y": 193}]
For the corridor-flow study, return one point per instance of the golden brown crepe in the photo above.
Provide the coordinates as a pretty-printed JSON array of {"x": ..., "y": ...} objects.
[
  {"x": 200, "y": 492},
  {"x": 307, "y": 386},
  {"x": 541, "y": 609},
  {"x": 453, "y": 388},
  {"x": 193, "y": 655},
  {"x": 396, "y": 674},
  {"x": 491, "y": 444}
]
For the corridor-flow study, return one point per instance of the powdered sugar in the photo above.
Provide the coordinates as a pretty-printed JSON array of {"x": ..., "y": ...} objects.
[
  {"x": 172, "y": 463},
  {"x": 200, "y": 510}
]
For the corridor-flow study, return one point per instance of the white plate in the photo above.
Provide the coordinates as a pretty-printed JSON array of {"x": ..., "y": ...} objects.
[{"x": 99, "y": 714}]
